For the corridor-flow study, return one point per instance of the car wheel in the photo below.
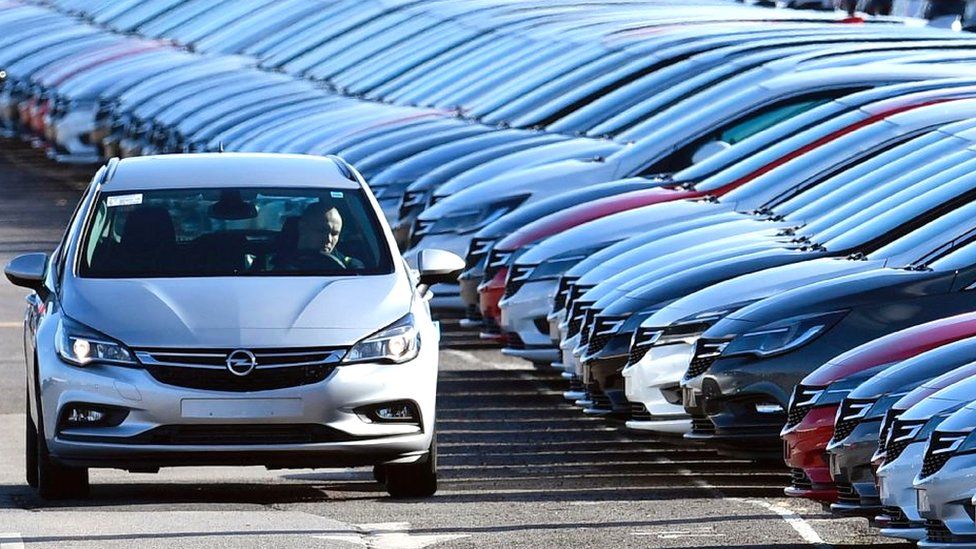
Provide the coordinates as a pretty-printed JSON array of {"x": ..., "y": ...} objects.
[
  {"x": 413, "y": 480},
  {"x": 30, "y": 448},
  {"x": 56, "y": 481},
  {"x": 379, "y": 474}
]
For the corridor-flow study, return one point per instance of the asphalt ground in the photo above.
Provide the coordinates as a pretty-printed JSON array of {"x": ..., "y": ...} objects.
[{"x": 519, "y": 466}]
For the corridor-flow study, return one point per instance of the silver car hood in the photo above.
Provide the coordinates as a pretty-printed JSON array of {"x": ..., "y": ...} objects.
[{"x": 228, "y": 312}]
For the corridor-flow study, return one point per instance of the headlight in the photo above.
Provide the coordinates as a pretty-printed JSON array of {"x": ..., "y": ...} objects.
[
  {"x": 80, "y": 345},
  {"x": 398, "y": 342},
  {"x": 470, "y": 220},
  {"x": 782, "y": 336}
]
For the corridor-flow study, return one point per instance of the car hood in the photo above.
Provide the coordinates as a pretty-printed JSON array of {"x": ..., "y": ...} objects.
[
  {"x": 912, "y": 372},
  {"x": 238, "y": 311},
  {"x": 884, "y": 285}
]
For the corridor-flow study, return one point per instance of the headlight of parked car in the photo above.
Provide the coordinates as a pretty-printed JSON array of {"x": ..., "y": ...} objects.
[
  {"x": 782, "y": 336},
  {"x": 398, "y": 342},
  {"x": 80, "y": 345}
]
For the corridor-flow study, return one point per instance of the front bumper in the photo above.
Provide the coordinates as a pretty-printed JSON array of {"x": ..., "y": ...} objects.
[
  {"x": 850, "y": 465},
  {"x": 315, "y": 425},
  {"x": 653, "y": 384},
  {"x": 896, "y": 492},
  {"x": 949, "y": 521},
  {"x": 805, "y": 449},
  {"x": 525, "y": 313}
]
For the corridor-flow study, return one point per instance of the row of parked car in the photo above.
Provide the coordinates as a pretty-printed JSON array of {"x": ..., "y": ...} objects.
[{"x": 739, "y": 225}]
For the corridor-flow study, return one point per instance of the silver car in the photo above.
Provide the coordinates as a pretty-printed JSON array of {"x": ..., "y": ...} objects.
[{"x": 222, "y": 309}]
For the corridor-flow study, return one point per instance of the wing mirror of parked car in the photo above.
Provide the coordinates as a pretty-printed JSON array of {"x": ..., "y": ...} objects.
[
  {"x": 438, "y": 266},
  {"x": 27, "y": 270},
  {"x": 709, "y": 149}
]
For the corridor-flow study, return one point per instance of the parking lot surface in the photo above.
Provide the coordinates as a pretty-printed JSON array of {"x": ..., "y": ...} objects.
[{"x": 520, "y": 466}]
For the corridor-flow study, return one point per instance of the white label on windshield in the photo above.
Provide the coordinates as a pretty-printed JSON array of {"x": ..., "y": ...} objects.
[
  {"x": 124, "y": 200},
  {"x": 336, "y": 194}
]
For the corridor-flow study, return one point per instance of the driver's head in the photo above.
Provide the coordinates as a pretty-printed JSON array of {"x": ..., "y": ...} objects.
[{"x": 319, "y": 228}]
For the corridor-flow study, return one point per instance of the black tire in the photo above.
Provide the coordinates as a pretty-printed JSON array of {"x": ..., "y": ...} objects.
[
  {"x": 56, "y": 481},
  {"x": 413, "y": 480},
  {"x": 30, "y": 448},
  {"x": 379, "y": 473}
]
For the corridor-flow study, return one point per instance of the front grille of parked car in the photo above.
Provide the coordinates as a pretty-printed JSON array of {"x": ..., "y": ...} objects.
[
  {"x": 599, "y": 399},
  {"x": 701, "y": 425},
  {"x": 643, "y": 340},
  {"x": 603, "y": 330},
  {"x": 477, "y": 250},
  {"x": 420, "y": 228},
  {"x": 586, "y": 328},
  {"x": 562, "y": 292},
  {"x": 804, "y": 397},
  {"x": 207, "y": 368},
  {"x": 852, "y": 411},
  {"x": 706, "y": 353},
  {"x": 576, "y": 384},
  {"x": 847, "y": 494},
  {"x": 577, "y": 312},
  {"x": 518, "y": 275},
  {"x": 235, "y": 434},
  {"x": 937, "y": 532},
  {"x": 902, "y": 434},
  {"x": 800, "y": 480},
  {"x": 497, "y": 260},
  {"x": 889, "y": 418},
  {"x": 942, "y": 446}
]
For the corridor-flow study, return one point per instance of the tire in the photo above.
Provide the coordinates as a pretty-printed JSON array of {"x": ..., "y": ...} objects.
[
  {"x": 54, "y": 481},
  {"x": 30, "y": 448},
  {"x": 413, "y": 480}
]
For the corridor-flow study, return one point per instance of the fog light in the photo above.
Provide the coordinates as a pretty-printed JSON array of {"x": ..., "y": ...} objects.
[
  {"x": 401, "y": 411},
  {"x": 91, "y": 415},
  {"x": 769, "y": 408},
  {"x": 85, "y": 415}
]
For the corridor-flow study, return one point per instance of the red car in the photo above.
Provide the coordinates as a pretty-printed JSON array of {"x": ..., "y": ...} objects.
[{"x": 810, "y": 417}]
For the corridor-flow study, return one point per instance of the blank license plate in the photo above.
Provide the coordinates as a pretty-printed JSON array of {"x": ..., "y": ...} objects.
[
  {"x": 241, "y": 408},
  {"x": 923, "y": 501}
]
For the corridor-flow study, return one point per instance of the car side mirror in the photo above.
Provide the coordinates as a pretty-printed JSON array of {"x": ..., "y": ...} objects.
[
  {"x": 438, "y": 266},
  {"x": 710, "y": 148},
  {"x": 27, "y": 270}
]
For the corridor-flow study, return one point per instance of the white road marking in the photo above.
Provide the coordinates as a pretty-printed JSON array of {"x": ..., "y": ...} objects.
[
  {"x": 795, "y": 521},
  {"x": 678, "y": 534},
  {"x": 389, "y": 535},
  {"x": 18, "y": 324},
  {"x": 11, "y": 541}
]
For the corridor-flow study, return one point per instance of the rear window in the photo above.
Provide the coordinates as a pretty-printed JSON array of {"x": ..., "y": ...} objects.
[{"x": 234, "y": 232}]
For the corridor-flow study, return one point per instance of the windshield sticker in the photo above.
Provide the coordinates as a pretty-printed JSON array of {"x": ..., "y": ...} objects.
[
  {"x": 124, "y": 200},
  {"x": 336, "y": 194}
]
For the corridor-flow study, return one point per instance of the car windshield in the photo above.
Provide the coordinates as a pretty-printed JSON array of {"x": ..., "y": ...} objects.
[{"x": 233, "y": 232}]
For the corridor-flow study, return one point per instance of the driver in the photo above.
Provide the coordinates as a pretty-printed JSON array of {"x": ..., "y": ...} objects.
[{"x": 319, "y": 228}]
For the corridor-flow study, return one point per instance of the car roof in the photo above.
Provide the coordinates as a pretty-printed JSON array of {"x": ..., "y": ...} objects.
[{"x": 209, "y": 170}]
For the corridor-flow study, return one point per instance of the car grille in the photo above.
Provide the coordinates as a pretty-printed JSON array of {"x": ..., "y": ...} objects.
[
  {"x": 638, "y": 412},
  {"x": 902, "y": 434},
  {"x": 603, "y": 330},
  {"x": 599, "y": 399},
  {"x": 852, "y": 411},
  {"x": 847, "y": 494},
  {"x": 420, "y": 229},
  {"x": 706, "y": 353},
  {"x": 804, "y": 397},
  {"x": 576, "y": 384},
  {"x": 643, "y": 341},
  {"x": 586, "y": 328},
  {"x": 937, "y": 532},
  {"x": 207, "y": 369},
  {"x": 576, "y": 314},
  {"x": 477, "y": 250},
  {"x": 562, "y": 292},
  {"x": 497, "y": 259},
  {"x": 889, "y": 419},
  {"x": 800, "y": 480},
  {"x": 702, "y": 426},
  {"x": 941, "y": 448},
  {"x": 233, "y": 435},
  {"x": 518, "y": 275}
]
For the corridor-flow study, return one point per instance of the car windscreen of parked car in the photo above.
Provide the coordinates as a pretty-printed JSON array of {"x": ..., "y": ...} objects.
[{"x": 246, "y": 231}]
